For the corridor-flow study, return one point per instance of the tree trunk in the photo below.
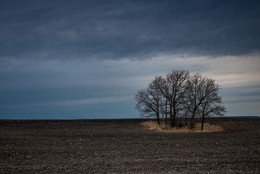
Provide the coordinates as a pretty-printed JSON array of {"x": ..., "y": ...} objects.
[
  {"x": 166, "y": 106},
  {"x": 158, "y": 118},
  {"x": 202, "y": 121},
  {"x": 191, "y": 122},
  {"x": 171, "y": 120},
  {"x": 171, "y": 116},
  {"x": 174, "y": 118}
]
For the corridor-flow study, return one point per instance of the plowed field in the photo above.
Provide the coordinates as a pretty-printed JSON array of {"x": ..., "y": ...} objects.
[{"x": 124, "y": 146}]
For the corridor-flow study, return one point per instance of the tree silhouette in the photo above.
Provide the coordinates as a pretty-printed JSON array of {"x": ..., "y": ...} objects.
[{"x": 180, "y": 94}]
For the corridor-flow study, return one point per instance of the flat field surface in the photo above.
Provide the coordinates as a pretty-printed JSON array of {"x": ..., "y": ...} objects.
[{"x": 123, "y": 146}]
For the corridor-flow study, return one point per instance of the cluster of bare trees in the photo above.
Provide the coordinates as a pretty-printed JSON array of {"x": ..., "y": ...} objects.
[{"x": 180, "y": 95}]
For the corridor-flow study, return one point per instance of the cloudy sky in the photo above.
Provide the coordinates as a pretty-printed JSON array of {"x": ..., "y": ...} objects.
[{"x": 87, "y": 59}]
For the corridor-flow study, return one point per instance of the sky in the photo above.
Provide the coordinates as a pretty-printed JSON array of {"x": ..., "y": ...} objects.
[{"x": 62, "y": 59}]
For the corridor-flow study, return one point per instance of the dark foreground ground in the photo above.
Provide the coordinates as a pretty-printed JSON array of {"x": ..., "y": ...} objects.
[{"x": 122, "y": 146}]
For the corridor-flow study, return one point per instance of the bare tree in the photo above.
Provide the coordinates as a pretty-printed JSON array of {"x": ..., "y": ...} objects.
[
  {"x": 164, "y": 96},
  {"x": 194, "y": 96},
  {"x": 202, "y": 98},
  {"x": 149, "y": 101},
  {"x": 174, "y": 92},
  {"x": 212, "y": 103},
  {"x": 180, "y": 94},
  {"x": 161, "y": 86}
]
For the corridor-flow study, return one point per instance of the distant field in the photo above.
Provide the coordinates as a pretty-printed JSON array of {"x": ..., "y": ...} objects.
[
  {"x": 242, "y": 117},
  {"x": 124, "y": 146}
]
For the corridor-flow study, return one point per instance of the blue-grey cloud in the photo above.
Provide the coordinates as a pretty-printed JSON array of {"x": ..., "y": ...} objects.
[
  {"x": 241, "y": 94},
  {"x": 91, "y": 88},
  {"x": 132, "y": 29},
  {"x": 66, "y": 59}
]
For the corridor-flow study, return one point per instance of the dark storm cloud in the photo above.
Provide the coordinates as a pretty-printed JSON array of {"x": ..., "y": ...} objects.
[
  {"x": 61, "y": 58},
  {"x": 128, "y": 29}
]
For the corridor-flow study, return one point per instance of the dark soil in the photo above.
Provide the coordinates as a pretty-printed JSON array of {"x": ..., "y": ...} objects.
[{"x": 122, "y": 146}]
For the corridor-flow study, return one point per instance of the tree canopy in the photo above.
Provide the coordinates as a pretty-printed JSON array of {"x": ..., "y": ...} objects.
[{"x": 180, "y": 94}]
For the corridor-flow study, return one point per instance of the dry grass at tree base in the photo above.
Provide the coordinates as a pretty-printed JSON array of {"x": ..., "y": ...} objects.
[{"x": 153, "y": 125}]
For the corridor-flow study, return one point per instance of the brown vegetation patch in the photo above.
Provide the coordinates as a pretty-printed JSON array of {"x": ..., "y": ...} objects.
[{"x": 153, "y": 125}]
